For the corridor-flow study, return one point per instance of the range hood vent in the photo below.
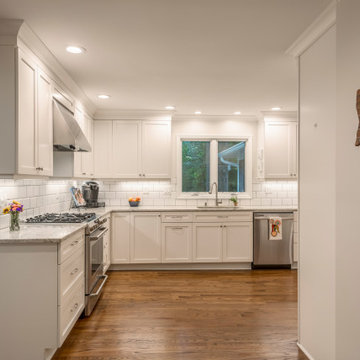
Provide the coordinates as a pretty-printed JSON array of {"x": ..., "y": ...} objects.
[{"x": 68, "y": 135}]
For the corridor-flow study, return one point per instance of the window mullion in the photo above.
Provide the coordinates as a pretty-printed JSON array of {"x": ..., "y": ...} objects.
[{"x": 213, "y": 161}]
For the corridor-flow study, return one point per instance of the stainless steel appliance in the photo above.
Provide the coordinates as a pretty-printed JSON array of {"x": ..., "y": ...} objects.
[
  {"x": 94, "y": 277},
  {"x": 90, "y": 191},
  {"x": 273, "y": 253}
]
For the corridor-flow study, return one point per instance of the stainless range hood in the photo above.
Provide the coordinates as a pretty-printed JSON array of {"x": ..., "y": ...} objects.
[{"x": 68, "y": 135}]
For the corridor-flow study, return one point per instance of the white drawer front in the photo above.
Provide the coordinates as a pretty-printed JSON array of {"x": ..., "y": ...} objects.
[
  {"x": 223, "y": 216},
  {"x": 70, "y": 245},
  {"x": 175, "y": 217},
  {"x": 69, "y": 272},
  {"x": 70, "y": 311}
]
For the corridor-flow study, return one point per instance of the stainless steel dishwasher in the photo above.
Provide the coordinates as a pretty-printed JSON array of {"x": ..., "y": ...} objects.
[{"x": 273, "y": 253}]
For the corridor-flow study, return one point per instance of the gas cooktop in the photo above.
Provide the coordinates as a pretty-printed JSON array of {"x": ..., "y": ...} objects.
[{"x": 62, "y": 218}]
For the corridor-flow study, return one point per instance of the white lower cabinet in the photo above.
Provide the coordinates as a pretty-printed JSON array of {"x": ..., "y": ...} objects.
[
  {"x": 207, "y": 242},
  {"x": 120, "y": 238},
  {"x": 145, "y": 238},
  {"x": 149, "y": 237},
  {"x": 176, "y": 242},
  {"x": 237, "y": 242}
]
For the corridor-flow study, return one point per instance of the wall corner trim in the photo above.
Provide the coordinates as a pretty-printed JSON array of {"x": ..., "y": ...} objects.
[
  {"x": 304, "y": 351},
  {"x": 322, "y": 23}
]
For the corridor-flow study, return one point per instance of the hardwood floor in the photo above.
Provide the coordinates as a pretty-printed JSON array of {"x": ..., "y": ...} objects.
[{"x": 191, "y": 315}]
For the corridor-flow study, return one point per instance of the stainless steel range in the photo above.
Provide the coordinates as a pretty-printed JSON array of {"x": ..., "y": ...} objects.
[
  {"x": 94, "y": 277},
  {"x": 94, "y": 234}
]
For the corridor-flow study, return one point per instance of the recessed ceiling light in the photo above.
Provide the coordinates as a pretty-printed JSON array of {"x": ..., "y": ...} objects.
[
  {"x": 276, "y": 108},
  {"x": 197, "y": 112},
  {"x": 75, "y": 49},
  {"x": 237, "y": 113},
  {"x": 170, "y": 107},
  {"x": 103, "y": 96}
]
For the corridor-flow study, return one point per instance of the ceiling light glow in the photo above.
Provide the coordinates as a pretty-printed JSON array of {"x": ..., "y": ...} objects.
[
  {"x": 170, "y": 107},
  {"x": 197, "y": 112},
  {"x": 237, "y": 113},
  {"x": 103, "y": 96},
  {"x": 276, "y": 108},
  {"x": 75, "y": 49}
]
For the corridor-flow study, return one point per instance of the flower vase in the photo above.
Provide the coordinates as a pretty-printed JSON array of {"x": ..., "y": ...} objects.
[{"x": 14, "y": 221}]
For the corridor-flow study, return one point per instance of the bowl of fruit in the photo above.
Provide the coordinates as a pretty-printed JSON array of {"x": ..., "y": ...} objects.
[{"x": 134, "y": 202}]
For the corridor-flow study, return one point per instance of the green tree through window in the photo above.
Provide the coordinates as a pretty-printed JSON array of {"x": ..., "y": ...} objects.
[{"x": 195, "y": 166}]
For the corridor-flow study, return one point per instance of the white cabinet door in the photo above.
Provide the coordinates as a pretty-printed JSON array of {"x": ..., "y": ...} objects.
[
  {"x": 207, "y": 242},
  {"x": 120, "y": 238},
  {"x": 126, "y": 149},
  {"x": 176, "y": 242},
  {"x": 145, "y": 238},
  {"x": 281, "y": 150},
  {"x": 156, "y": 149},
  {"x": 44, "y": 125},
  {"x": 87, "y": 158},
  {"x": 103, "y": 149},
  {"x": 237, "y": 242},
  {"x": 27, "y": 149}
]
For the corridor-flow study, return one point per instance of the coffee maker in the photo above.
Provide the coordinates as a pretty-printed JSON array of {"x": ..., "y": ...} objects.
[{"x": 90, "y": 191}]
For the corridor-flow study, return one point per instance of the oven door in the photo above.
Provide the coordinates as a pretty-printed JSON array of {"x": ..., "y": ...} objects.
[{"x": 94, "y": 258}]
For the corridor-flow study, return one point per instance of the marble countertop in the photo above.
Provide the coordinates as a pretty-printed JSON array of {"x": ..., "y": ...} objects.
[{"x": 55, "y": 233}]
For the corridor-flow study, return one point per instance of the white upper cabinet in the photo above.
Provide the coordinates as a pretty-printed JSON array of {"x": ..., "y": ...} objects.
[
  {"x": 134, "y": 149},
  {"x": 155, "y": 149},
  {"x": 26, "y": 116},
  {"x": 84, "y": 161},
  {"x": 44, "y": 125},
  {"x": 103, "y": 149},
  {"x": 35, "y": 123},
  {"x": 280, "y": 150},
  {"x": 126, "y": 149}
]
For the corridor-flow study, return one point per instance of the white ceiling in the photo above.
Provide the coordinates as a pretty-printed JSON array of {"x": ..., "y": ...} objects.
[{"x": 217, "y": 56}]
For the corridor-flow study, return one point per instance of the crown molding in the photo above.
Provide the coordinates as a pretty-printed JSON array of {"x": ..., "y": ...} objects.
[
  {"x": 9, "y": 30},
  {"x": 132, "y": 114},
  {"x": 17, "y": 33},
  {"x": 215, "y": 117},
  {"x": 319, "y": 27},
  {"x": 280, "y": 114}
]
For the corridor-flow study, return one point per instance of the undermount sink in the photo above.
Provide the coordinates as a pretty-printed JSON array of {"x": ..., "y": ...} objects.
[{"x": 219, "y": 207}]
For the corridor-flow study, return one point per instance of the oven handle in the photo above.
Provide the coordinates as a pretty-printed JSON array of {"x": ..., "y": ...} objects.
[
  {"x": 94, "y": 238},
  {"x": 104, "y": 277}
]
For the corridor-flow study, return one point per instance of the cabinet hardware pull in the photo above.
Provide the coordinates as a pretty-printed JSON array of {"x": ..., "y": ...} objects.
[
  {"x": 84, "y": 173},
  {"x": 74, "y": 271},
  {"x": 74, "y": 242},
  {"x": 178, "y": 228},
  {"x": 38, "y": 169}
]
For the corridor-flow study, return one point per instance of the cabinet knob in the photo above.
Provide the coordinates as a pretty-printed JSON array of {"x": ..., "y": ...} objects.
[
  {"x": 139, "y": 174},
  {"x": 144, "y": 175},
  {"x": 84, "y": 173}
]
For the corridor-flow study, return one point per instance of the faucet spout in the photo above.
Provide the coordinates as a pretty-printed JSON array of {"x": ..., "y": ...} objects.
[{"x": 217, "y": 201}]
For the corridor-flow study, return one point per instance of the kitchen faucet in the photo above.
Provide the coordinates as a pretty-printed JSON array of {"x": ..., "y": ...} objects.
[{"x": 217, "y": 201}]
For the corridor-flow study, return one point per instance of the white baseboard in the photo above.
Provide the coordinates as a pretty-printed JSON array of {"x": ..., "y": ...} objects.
[
  {"x": 197, "y": 266},
  {"x": 305, "y": 352}
]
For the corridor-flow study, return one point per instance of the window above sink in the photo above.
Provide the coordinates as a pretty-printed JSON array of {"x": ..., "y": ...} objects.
[{"x": 202, "y": 160}]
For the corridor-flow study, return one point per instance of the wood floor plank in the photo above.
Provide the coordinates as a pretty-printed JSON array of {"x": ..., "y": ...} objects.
[{"x": 192, "y": 315}]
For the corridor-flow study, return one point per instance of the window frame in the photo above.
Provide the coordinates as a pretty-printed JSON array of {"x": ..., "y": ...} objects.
[{"x": 214, "y": 139}]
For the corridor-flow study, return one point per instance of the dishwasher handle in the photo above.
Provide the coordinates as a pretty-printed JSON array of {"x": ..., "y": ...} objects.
[{"x": 268, "y": 218}]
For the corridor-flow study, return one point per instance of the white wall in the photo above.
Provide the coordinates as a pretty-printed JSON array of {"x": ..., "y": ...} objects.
[
  {"x": 347, "y": 183},
  {"x": 317, "y": 198}
]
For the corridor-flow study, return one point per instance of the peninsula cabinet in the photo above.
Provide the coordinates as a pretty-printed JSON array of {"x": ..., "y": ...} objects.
[
  {"x": 133, "y": 149},
  {"x": 280, "y": 153}
]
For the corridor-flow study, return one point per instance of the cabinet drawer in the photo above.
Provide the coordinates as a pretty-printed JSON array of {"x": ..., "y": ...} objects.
[
  {"x": 70, "y": 311},
  {"x": 70, "y": 245},
  {"x": 69, "y": 272},
  {"x": 174, "y": 217},
  {"x": 223, "y": 216}
]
